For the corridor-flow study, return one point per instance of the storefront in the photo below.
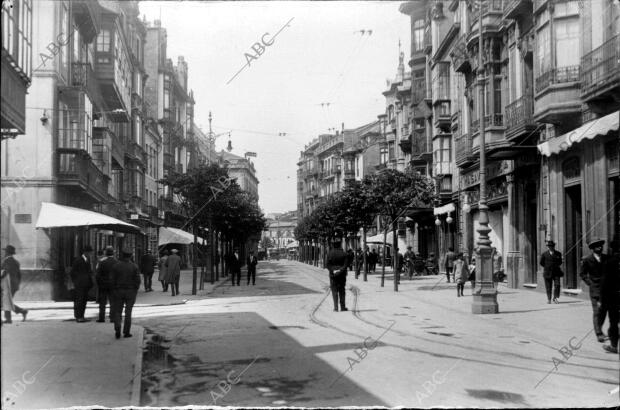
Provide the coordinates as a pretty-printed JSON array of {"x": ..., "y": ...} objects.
[{"x": 581, "y": 196}]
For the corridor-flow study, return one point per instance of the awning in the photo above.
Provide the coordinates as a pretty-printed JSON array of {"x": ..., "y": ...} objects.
[
  {"x": 447, "y": 208},
  {"x": 61, "y": 216},
  {"x": 293, "y": 244},
  {"x": 589, "y": 130},
  {"x": 173, "y": 235}
]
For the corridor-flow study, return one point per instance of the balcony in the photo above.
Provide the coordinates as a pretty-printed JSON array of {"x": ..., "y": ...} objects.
[
  {"x": 520, "y": 117},
  {"x": 600, "y": 71},
  {"x": 557, "y": 98},
  {"x": 87, "y": 18},
  {"x": 349, "y": 173},
  {"x": 460, "y": 57},
  {"x": 516, "y": 9},
  {"x": 557, "y": 76},
  {"x": 405, "y": 144},
  {"x": 428, "y": 40},
  {"x": 418, "y": 88},
  {"x": 169, "y": 206},
  {"x": 136, "y": 153},
  {"x": 82, "y": 79},
  {"x": 442, "y": 118},
  {"x": 464, "y": 151},
  {"x": 168, "y": 160},
  {"x": 179, "y": 168},
  {"x": 420, "y": 151},
  {"x": 115, "y": 90},
  {"x": 77, "y": 172}
]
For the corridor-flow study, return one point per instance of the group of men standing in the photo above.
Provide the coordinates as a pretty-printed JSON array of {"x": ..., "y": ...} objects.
[
  {"x": 118, "y": 281},
  {"x": 234, "y": 264}
]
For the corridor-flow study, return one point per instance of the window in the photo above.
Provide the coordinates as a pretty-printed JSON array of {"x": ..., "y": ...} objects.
[
  {"x": 418, "y": 35},
  {"x": 64, "y": 26},
  {"x": 103, "y": 41},
  {"x": 567, "y": 42},
  {"x": 383, "y": 155},
  {"x": 391, "y": 150},
  {"x": 17, "y": 34},
  {"x": 543, "y": 50},
  {"x": 441, "y": 81}
]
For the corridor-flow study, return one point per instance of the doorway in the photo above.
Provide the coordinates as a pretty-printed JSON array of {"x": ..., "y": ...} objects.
[
  {"x": 531, "y": 231},
  {"x": 573, "y": 230}
]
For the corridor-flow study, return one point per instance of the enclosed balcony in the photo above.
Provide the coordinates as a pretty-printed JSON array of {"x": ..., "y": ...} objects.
[
  {"x": 420, "y": 150},
  {"x": 520, "y": 117},
  {"x": 113, "y": 71},
  {"x": 442, "y": 117},
  {"x": 460, "y": 55},
  {"x": 557, "y": 97},
  {"x": 516, "y": 9},
  {"x": 600, "y": 72},
  {"x": 136, "y": 153},
  {"x": 87, "y": 18},
  {"x": 77, "y": 172},
  {"x": 464, "y": 151}
]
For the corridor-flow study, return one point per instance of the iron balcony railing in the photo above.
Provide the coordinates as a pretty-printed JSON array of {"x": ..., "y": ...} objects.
[
  {"x": 520, "y": 112},
  {"x": 600, "y": 66},
  {"x": 74, "y": 130},
  {"x": 77, "y": 167},
  {"x": 463, "y": 148},
  {"x": 557, "y": 76}
]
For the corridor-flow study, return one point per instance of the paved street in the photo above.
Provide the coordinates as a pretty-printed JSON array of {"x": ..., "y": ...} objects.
[{"x": 280, "y": 343}]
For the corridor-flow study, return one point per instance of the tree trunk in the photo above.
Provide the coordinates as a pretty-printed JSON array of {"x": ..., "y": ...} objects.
[
  {"x": 395, "y": 257},
  {"x": 194, "y": 261},
  {"x": 383, "y": 258},
  {"x": 364, "y": 254}
]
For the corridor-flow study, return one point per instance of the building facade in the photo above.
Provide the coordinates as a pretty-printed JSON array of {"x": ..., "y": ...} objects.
[
  {"x": 549, "y": 84},
  {"x": 242, "y": 170}
]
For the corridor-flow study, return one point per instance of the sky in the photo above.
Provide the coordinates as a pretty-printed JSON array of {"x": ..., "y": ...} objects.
[{"x": 326, "y": 54}]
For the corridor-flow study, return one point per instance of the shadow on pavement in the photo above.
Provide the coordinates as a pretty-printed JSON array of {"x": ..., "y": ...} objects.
[{"x": 270, "y": 368}]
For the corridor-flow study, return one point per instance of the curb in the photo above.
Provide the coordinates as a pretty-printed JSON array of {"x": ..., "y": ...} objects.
[{"x": 137, "y": 384}]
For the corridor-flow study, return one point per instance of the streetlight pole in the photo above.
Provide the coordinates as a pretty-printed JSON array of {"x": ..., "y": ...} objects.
[{"x": 485, "y": 298}]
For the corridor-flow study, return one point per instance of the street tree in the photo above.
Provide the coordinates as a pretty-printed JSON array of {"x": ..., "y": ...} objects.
[{"x": 393, "y": 193}]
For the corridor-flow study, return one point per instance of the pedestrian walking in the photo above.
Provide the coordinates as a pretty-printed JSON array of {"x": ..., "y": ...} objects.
[
  {"x": 409, "y": 258},
  {"x": 147, "y": 267},
  {"x": 173, "y": 271},
  {"x": 235, "y": 267},
  {"x": 350, "y": 257},
  {"x": 593, "y": 268},
  {"x": 551, "y": 261},
  {"x": 374, "y": 259},
  {"x": 472, "y": 272},
  {"x": 82, "y": 277},
  {"x": 461, "y": 273},
  {"x": 125, "y": 277},
  {"x": 449, "y": 262},
  {"x": 252, "y": 262},
  {"x": 431, "y": 264},
  {"x": 103, "y": 278},
  {"x": 337, "y": 263},
  {"x": 610, "y": 295},
  {"x": 359, "y": 261},
  {"x": 11, "y": 269},
  {"x": 162, "y": 270}
]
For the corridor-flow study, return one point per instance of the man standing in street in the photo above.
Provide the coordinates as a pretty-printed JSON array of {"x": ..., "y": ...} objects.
[
  {"x": 173, "y": 271},
  {"x": 103, "y": 277},
  {"x": 449, "y": 263},
  {"x": 252, "y": 262},
  {"x": 337, "y": 262},
  {"x": 592, "y": 271},
  {"x": 125, "y": 285},
  {"x": 610, "y": 295},
  {"x": 551, "y": 261},
  {"x": 81, "y": 275},
  {"x": 235, "y": 267},
  {"x": 10, "y": 266},
  {"x": 147, "y": 266},
  {"x": 409, "y": 258}
]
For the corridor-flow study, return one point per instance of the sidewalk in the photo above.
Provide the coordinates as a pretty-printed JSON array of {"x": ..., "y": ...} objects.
[
  {"x": 155, "y": 298},
  {"x": 51, "y": 364}
]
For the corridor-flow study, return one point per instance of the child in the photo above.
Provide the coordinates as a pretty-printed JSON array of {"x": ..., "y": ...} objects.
[{"x": 461, "y": 273}]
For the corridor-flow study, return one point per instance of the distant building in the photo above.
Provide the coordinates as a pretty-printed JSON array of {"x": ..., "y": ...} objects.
[{"x": 241, "y": 169}]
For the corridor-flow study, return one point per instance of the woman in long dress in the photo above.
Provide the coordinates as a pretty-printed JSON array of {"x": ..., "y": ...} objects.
[{"x": 162, "y": 270}]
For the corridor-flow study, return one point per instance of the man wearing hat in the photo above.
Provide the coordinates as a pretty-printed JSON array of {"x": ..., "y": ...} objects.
[
  {"x": 147, "y": 265},
  {"x": 10, "y": 267},
  {"x": 610, "y": 295},
  {"x": 409, "y": 258},
  {"x": 81, "y": 275},
  {"x": 103, "y": 276},
  {"x": 235, "y": 267},
  {"x": 173, "y": 271},
  {"x": 551, "y": 261},
  {"x": 125, "y": 278},
  {"x": 337, "y": 263},
  {"x": 593, "y": 269}
]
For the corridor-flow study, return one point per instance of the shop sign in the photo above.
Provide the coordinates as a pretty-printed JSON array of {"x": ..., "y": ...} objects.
[{"x": 493, "y": 170}]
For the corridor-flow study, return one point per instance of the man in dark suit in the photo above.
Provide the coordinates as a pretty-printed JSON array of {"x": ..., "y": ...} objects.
[
  {"x": 593, "y": 269},
  {"x": 610, "y": 295},
  {"x": 81, "y": 275},
  {"x": 12, "y": 268},
  {"x": 103, "y": 276},
  {"x": 147, "y": 266},
  {"x": 337, "y": 263},
  {"x": 125, "y": 284},
  {"x": 252, "y": 262},
  {"x": 235, "y": 267},
  {"x": 551, "y": 261}
]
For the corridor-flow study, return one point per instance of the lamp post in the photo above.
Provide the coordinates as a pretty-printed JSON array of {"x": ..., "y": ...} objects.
[{"x": 485, "y": 297}]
